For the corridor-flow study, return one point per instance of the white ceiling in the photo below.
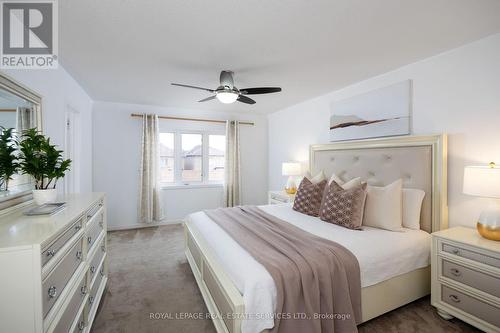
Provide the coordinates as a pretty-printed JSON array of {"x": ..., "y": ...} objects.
[{"x": 130, "y": 51}]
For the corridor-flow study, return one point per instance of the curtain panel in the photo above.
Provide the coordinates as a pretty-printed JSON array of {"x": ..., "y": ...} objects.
[
  {"x": 149, "y": 185},
  {"x": 25, "y": 118},
  {"x": 232, "y": 181}
]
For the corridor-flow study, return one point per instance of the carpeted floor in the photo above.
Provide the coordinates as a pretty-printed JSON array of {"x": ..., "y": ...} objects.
[{"x": 150, "y": 277}]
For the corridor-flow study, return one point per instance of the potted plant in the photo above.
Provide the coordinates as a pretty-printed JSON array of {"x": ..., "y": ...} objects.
[
  {"x": 41, "y": 160},
  {"x": 9, "y": 164}
]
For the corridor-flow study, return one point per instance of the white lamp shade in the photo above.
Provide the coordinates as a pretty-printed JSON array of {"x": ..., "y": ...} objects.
[
  {"x": 291, "y": 169},
  {"x": 482, "y": 181}
]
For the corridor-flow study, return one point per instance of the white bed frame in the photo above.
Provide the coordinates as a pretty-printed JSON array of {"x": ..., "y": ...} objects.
[{"x": 224, "y": 301}]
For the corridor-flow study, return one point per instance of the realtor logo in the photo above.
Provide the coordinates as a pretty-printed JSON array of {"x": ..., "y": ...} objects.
[{"x": 28, "y": 34}]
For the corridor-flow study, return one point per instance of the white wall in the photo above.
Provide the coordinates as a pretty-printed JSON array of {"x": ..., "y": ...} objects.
[
  {"x": 457, "y": 92},
  {"x": 59, "y": 90},
  {"x": 117, "y": 139}
]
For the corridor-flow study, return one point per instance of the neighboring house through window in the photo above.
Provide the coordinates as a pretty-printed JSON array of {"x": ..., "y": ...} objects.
[{"x": 189, "y": 158}]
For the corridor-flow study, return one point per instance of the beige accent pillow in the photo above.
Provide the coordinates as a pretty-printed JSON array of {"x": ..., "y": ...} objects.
[
  {"x": 384, "y": 206},
  {"x": 412, "y": 205},
  {"x": 345, "y": 185},
  {"x": 343, "y": 207},
  {"x": 317, "y": 178}
]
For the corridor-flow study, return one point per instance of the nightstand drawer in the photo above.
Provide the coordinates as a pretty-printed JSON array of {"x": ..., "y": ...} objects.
[
  {"x": 481, "y": 281},
  {"x": 279, "y": 198},
  {"x": 472, "y": 255},
  {"x": 475, "y": 307}
]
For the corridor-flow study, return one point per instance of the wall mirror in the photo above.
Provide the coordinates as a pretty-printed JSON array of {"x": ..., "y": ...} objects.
[{"x": 20, "y": 109}]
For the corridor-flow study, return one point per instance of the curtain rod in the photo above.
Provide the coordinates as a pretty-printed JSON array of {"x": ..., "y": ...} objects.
[
  {"x": 137, "y": 115},
  {"x": 8, "y": 110}
]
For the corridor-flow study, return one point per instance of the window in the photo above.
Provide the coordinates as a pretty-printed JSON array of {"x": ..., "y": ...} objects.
[
  {"x": 216, "y": 157},
  {"x": 192, "y": 154},
  {"x": 167, "y": 157},
  {"x": 192, "y": 158}
]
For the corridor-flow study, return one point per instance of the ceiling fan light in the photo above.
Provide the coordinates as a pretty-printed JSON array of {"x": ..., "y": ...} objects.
[{"x": 227, "y": 97}]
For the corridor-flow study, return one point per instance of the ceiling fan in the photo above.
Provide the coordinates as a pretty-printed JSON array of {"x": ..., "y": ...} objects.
[{"x": 227, "y": 93}]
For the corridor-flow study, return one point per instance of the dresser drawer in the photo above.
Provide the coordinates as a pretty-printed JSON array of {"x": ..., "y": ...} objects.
[
  {"x": 49, "y": 251},
  {"x": 80, "y": 323},
  {"x": 481, "y": 281},
  {"x": 59, "y": 276},
  {"x": 471, "y": 305},
  {"x": 472, "y": 255},
  {"x": 96, "y": 260},
  {"x": 94, "y": 209},
  {"x": 71, "y": 311},
  {"x": 94, "y": 230},
  {"x": 95, "y": 286}
]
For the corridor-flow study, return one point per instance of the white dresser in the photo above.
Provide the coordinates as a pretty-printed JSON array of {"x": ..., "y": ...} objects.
[
  {"x": 466, "y": 277},
  {"x": 53, "y": 269}
]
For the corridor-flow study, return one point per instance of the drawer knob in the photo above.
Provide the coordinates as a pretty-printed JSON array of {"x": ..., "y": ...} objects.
[
  {"x": 78, "y": 227},
  {"x": 83, "y": 290},
  {"x": 51, "y": 253},
  {"x": 454, "y": 298},
  {"x": 79, "y": 255},
  {"x": 92, "y": 269},
  {"x": 81, "y": 325},
  {"x": 103, "y": 248},
  {"x": 456, "y": 252},
  {"x": 455, "y": 272},
  {"x": 91, "y": 300},
  {"x": 89, "y": 239},
  {"x": 52, "y": 292}
]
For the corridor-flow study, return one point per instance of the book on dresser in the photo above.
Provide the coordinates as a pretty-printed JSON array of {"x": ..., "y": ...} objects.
[
  {"x": 53, "y": 267},
  {"x": 466, "y": 277}
]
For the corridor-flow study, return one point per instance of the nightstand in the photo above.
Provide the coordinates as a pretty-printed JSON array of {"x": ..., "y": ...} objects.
[
  {"x": 279, "y": 197},
  {"x": 466, "y": 277}
]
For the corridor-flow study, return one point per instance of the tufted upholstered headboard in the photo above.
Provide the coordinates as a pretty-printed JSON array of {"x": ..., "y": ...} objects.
[{"x": 421, "y": 161}]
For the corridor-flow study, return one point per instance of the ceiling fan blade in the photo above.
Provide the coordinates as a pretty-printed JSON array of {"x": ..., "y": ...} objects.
[
  {"x": 261, "y": 90},
  {"x": 207, "y": 99},
  {"x": 246, "y": 100},
  {"x": 194, "y": 87}
]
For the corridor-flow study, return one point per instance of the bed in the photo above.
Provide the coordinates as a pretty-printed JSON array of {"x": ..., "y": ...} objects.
[{"x": 233, "y": 284}]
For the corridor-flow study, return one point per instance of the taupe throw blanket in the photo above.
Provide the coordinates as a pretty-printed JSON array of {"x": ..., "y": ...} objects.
[{"x": 313, "y": 276}]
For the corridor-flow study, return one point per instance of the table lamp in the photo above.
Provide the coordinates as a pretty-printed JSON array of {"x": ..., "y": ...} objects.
[
  {"x": 291, "y": 169},
  {"x": 484, "y": 181}
]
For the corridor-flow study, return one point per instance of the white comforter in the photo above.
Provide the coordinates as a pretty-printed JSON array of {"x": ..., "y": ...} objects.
[{"x": 381, "y": 255}]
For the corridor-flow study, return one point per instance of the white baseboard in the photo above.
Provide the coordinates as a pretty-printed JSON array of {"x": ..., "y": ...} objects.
[{"x": 143, "y": 225}]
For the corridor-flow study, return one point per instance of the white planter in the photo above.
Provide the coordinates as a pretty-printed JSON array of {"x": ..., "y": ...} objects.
[{"x": 43, "y": 196}]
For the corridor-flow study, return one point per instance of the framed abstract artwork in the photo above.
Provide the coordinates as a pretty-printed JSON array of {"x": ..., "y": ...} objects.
[{"x": 382, "y": 112}]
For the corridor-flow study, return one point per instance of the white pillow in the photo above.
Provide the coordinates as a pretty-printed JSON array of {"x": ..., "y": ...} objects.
[
  {"x": 412, "y": 204},
  {"x": 316, "y": 179},
  {"x": 345, "y": 185},
  {"x": 384, "y": 206}
]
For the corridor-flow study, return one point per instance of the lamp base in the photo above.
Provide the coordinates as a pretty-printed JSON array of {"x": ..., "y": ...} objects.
[
  {"x": 290, "y": 187},
  {"x": 488, "y": 232},
  {"x": 488, "y": 224}
]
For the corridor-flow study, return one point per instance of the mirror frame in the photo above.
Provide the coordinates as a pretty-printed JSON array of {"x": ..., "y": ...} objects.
[{"x": 9, "y": 84}]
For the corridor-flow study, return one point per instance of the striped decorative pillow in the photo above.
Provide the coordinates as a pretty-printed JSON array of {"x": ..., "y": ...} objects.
[{"x": 309, "y": 196}]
